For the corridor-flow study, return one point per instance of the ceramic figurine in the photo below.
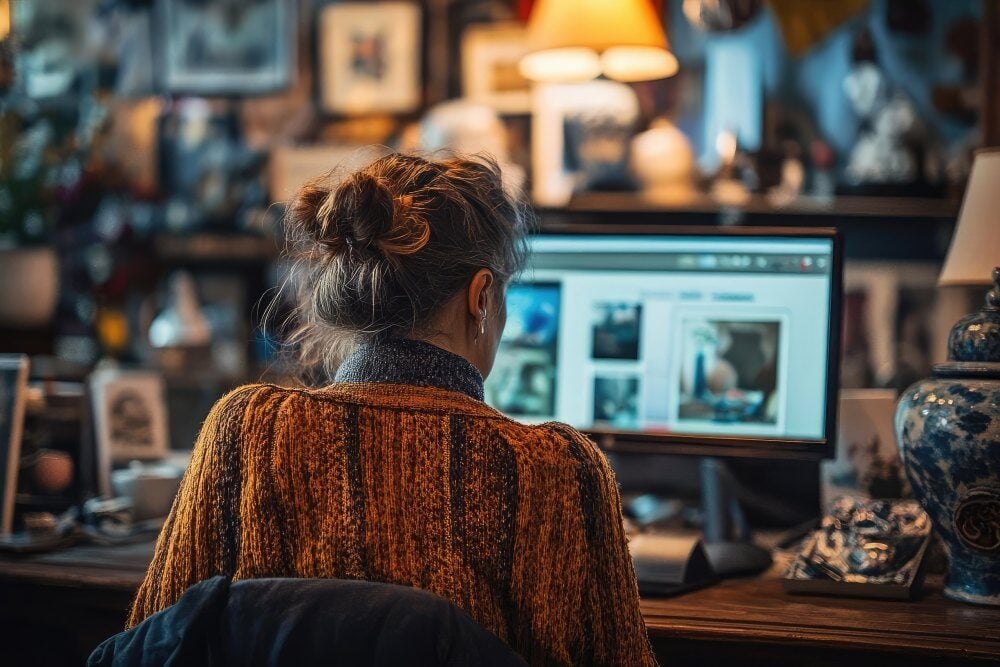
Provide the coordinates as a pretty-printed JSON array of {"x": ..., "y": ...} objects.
[
  {"x": 948, "y": 428},
  {"x": 663, "y": 161}
]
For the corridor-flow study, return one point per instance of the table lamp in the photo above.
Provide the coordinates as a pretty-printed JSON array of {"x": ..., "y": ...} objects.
[
  {"x": 948, "y": 425},
  {"x": 577, "y": 40}
]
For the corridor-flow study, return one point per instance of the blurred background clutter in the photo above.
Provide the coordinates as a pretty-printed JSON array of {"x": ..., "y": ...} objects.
[{"x": 147, "y": 149}]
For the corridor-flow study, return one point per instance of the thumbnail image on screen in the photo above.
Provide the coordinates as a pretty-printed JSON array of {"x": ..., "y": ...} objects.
[
  {"x": 616, "y": 330},
  {"x": 729, "y": 371},
  {"x": 523, "y": 380},
  {"x": 616, "y": 401}
]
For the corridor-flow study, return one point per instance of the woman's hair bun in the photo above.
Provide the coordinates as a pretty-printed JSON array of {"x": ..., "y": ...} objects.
[
  {"x": 308, "y": 213},
  {"x": 378, "y": 253},
  {"x": 362, "y": 214}
]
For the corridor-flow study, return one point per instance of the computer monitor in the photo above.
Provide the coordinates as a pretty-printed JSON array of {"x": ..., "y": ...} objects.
[{"x": 716, "y": 341}]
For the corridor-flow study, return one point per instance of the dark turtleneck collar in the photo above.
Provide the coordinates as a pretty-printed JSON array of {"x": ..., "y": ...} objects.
[{"x": 412, "y": 362}]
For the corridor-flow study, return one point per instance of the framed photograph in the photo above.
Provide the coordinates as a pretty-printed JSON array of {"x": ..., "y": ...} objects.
[
  {"x": 209, "y": 174},
  {"x": 867, "y": 463},
  {"x": 291, "y": 166},
  {"x": 896, "y": 325},
  {"x": 370, "y": 57},
  {"x": 581, "y": 134},
  {"x": 490, "y": 56},
  {"x": 13, "y": 386},
  {"x": 130, "y": 419},
  {"x": 226, "y": 47}
]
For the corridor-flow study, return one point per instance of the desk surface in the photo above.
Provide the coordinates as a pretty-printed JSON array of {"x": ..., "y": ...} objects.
[{"x": 754, "y": 610}]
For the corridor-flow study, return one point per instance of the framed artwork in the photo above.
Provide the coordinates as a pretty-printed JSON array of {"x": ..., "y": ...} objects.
[
  {"x": 490, "y": 56},
  {"x": 291, "y": 166},
  {"x": 209, "y": 174},
  {"x": 13, "y": 386},
  {"x": 581, "y": 134},
  {"x": 130, "y": 419},
  {"x": 370, "y": 57},
  {"x": 867, "y": 463},
  {"x": 226, "y": 47},
  {"x": 895, "y": 323}
]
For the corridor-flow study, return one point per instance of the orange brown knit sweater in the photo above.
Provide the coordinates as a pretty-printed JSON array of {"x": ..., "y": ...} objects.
[{"x": 379, "y": 479}]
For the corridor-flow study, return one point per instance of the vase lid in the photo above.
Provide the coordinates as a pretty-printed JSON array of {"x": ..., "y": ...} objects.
[
  {"x": 984, "y": 370},
  {"x": 976, "y": 337}
]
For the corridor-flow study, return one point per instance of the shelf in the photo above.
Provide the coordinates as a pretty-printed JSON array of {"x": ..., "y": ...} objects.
[
  {"x": 215, "y": 247},
  {"x": 899, "y": 208}
]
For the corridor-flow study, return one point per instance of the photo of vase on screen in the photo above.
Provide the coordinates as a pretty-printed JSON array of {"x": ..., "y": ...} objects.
[{"x": 729, "y": 371}]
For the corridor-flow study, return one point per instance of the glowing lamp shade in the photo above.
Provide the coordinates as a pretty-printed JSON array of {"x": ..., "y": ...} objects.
[
  {"x": 577, "y": 40},
  {"x": 975, "y": 247}
]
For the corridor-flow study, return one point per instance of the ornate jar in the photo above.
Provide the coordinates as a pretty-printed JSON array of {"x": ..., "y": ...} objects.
[{"x": 948, "y": 427}]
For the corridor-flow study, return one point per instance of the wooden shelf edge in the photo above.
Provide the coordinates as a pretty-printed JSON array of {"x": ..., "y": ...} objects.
[{"x": 917, "y": 209}]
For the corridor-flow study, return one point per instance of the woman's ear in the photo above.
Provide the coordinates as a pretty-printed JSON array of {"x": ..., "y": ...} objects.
[{"x": 479, "y": 294}]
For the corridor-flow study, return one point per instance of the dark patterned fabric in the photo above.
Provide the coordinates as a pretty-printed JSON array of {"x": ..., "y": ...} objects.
[{"x": 412, "y": 362}]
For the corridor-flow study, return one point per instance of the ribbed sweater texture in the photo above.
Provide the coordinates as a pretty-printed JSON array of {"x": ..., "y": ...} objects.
[{"x": 378, "y": 478}]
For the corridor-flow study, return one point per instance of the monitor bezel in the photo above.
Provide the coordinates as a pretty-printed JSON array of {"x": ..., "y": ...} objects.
[{"x": 731, "y": 446}]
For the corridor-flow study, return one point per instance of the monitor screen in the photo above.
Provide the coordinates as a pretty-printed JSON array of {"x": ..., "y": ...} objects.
[{"x": 710, "y": 335}]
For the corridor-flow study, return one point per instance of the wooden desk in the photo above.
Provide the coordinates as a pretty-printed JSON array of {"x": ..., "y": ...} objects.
[{"x": 67, "y": 602}]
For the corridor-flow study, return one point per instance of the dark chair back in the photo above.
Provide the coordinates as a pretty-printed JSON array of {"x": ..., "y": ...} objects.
[{"x": 306, "y": 621}]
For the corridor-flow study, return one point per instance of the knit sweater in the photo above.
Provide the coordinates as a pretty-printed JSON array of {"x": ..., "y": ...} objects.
[{"x": 399, "y": 473}]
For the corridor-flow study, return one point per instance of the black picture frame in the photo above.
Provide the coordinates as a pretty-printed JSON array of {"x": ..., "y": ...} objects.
[{"x": 200, "y": 49}]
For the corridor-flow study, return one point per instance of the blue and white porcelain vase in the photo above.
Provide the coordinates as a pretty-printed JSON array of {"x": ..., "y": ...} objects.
[{"x": 948, "y": 428}]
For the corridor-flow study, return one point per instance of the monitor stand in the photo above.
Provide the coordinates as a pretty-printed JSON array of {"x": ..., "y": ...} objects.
[{"x": 727, "y": 544}]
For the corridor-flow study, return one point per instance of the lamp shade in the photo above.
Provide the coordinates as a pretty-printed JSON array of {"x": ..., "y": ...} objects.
[
  {"x": 975, "y": 247},
  {"x": 577, "y": 40}
]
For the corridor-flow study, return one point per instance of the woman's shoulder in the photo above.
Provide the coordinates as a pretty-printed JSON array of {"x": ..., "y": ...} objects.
[
  {"x": 558, "y": 443},
  {"x": 251, "y": 402}
]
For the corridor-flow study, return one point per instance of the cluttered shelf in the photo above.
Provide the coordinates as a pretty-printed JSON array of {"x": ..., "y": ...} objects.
[
  {"x": 873, "y": 228},
  {"x": 753, "y": 616},
  {"x": 850, "y": 213},
  {"x": 627, "y": 207},
  {"x": 208, "y": 247}
]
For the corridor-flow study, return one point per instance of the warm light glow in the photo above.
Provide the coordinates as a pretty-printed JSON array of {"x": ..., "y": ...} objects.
[
  {"x": 563, "y": 65},
  {"x": 638, "y": 63},
  {"x": 576, "y": 40},
  {"x": 4, "y": 19}
]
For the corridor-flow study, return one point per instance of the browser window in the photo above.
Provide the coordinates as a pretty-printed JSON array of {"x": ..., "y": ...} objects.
[{"x": 698, "y": 335}]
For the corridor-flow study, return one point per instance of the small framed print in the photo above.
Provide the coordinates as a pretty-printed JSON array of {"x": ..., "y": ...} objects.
[
  {"x": 370, "y": 57},
  {"x": 291, "y": 166},
  {"x": 13, "y": 387},
  {"x": 490, "y": 75},
  {"x": 581, "y": 134},
  {"x": 130, "y": 419},
  {"x": 226, "y": 47}
]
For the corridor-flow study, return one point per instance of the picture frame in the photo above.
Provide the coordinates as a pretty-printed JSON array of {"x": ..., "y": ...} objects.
[
  {"x": 214, "y": 47},
  {"x": 490, "y": 57},
  {"x": 130, "y": 419},
  {"x": 370, "y": 55},
  {"x": 291, "y": 166},
  {"x": 13, "y": 390},
  {"x": 565, "y": 118},
  {"x": 896, "y": 325}
]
